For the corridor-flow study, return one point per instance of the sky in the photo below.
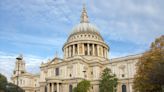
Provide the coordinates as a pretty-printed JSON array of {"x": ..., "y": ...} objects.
[{"x": 39, "y": 28}]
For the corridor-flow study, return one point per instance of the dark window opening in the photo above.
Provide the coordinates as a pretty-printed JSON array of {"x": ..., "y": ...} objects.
[
  {"x": 57, "y": 71},
  {"x": 123, "y": 75},
  {"x": 70, "y": 75},
  {"x": 91, "y": 73},
  {"x": 22, "y": 71},
  {"x": 90, "y": 49},
  {"x": 85, "y": 49},
  {"x": 123, "y": 88},
  {"x": 96, "y": 50},
  {"x": 75, "y": 48}
]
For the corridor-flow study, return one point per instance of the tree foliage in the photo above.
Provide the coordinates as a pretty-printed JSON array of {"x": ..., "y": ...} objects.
[
  {"x": 3, "y": 82},
  {"x": 82, "y": 86},
  {"x": 8, "y": 87},
  {"x": 13, "y": 88},
  {"x": 150, "y": 72},
  {"x": 108, "y": 81}
]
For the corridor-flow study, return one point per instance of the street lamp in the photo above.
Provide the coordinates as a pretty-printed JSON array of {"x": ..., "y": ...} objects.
[{"x": 18, "y": 59}]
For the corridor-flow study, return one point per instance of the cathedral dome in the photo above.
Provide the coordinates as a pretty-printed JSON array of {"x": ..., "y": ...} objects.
[
  {"x": 85, "y": 40},
  {"x": 84, "y": 28}
]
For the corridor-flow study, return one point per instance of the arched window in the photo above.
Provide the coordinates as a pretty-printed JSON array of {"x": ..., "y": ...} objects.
[
  {"x": 123, "y": 88},
  {"x": 70, "y": 88}
]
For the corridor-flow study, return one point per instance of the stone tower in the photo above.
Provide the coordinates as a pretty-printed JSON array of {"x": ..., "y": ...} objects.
[{"x": 19, "y": 66}]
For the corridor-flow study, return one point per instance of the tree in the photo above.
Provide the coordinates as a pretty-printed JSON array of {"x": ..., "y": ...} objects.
[
  {"x": 3, "y": 83},
  {"x": 82, "y": 86},
  {"x": 150, "y": 72},
  {"x": 108, "y": 81},
  {"x": 8, "y": 87}
]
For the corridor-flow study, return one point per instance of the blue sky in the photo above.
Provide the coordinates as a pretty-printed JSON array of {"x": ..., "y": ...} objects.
[{"x": 39, "y": 28}]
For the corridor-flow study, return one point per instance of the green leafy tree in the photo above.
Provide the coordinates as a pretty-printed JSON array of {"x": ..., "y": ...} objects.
[
  {"x": 150, "y": 72},
  {"x": 82, "y": 86},
  {"x": 8, "y": 87},
  {"x": 108, "y": 81},
  {"x": 3, "y": 83}
]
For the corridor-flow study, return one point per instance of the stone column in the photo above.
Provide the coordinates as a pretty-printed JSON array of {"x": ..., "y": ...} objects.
[
  {"x": 57, "y": 87},
  {"x": 88, "y": 50},
  {"x": 78, "y": 49},
  {"x": 52, "y": 87},
  {"x": 73, "y": 50},
  {"x": 69, "y": 51},
  {"x": 66, "y": 52},
  {"x": 83, "y": 49},
  {"x": 98, "y": 50},
  {"x": 101, "y": 51},
  {"x": 93, "y": 49},
  {"x": 48, "y": 87},
  {"x": 107, "y": 53},
  {"x": 104, "y": 52}
]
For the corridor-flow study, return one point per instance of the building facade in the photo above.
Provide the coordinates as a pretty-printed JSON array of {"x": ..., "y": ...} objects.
[{"x": 85, "y": 57}]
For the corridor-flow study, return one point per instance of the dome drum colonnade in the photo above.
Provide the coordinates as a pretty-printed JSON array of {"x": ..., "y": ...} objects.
[
  {"x": 85, "y": 48},
  {"x": 85, "y": 40}
]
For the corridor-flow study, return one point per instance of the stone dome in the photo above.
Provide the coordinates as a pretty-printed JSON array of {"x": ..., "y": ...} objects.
[
  {"x": 84, "y": 30},
  {"x": 85, "y": 40},
  {"x": 87, "y": 27}
]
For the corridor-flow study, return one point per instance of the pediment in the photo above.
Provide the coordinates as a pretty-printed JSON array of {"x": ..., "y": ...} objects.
[{"x": 56, "y": 60}]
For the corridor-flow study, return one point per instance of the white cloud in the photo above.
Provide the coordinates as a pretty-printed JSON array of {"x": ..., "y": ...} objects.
[
  {"x": 137, "y": 22},
  {"x": 16, "y": 37},
  {"x": 7, "y": 63}
]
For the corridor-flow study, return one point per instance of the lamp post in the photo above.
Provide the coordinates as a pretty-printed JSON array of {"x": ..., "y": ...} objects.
[
  {"x": 18, "y": 59},
  {"x": 7, "y": 86}
]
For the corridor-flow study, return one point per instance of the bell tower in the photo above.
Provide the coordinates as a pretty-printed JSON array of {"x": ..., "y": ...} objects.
[{"x": 19, "y": 66}]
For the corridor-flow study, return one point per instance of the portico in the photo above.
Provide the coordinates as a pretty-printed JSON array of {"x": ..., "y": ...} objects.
[{"x": 54, "y": 85}]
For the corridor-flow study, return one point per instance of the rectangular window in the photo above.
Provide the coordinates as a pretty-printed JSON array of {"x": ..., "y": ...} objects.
[{"x": 57, "y": 71}]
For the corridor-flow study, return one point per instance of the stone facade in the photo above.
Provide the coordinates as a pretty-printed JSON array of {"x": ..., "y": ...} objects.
[{"x": 85, "y": 57}]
